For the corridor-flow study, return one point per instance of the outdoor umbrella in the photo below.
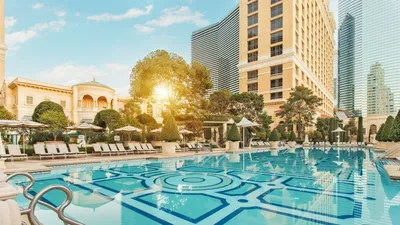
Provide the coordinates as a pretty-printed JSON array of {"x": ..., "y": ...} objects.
[
  {"x": 128, "y": 129},
  {"x": 85, "y": 127},
  {"x": 24, "y": 124},
  {"x": 156, "y": 130},
  {"x": 183, "y": 131},
  {"x": 244, "y": 123},
  {"x": 338, "y": 130}
]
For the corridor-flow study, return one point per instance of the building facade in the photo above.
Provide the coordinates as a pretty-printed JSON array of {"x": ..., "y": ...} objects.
[
  {"x": 368, "y": 49},
  {"x": 217, "y": 47},
  {"x": 284, "y": 44}
]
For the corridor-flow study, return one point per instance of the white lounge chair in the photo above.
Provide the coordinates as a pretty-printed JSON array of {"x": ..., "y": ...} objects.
[
  {"x": 150, "y": 148},
  {"x": 132, "y": 147},
  {"x": 64, "y": 149},
  {"x": 178, "y": 148},
  {"x": 75, "y": 150},
  {"x": 52, "y": 148},
  {"x": 39, "y": 150},
  {"x": 15, "y": 152},
  {"x": 121, "y": 148},
  {"x": 97, "y": 149},
  {"x": 139, "y": 148},
  {"x": 106, "y": 149},
  {"x": 114, "y": 149},
  {"x": 261, "y": 144}
]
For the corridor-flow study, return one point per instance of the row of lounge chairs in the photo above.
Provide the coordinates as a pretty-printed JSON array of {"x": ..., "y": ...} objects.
[
  {"x": 14, "y": 152},
  {"x": 118, "y": 149},
  {"x": 52, "y": 152},
  {"x": 260, "y": 144}
]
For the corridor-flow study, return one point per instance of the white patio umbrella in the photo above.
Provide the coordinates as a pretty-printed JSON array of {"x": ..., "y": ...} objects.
[
  {"x": 85, "y": 127},
  {"x": 156, "y": 130},
  {"x": 338, "y": 130},
  {"x": 183, "y": 131},
  {"x": 244, "y": 123},
  {"x": 24, "y": 124},
  {"x": 128, "y": 129}
]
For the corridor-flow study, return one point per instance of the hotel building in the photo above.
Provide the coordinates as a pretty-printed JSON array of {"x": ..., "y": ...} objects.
[
  {"x": 217, "y": 47},
  {"x": 284, "y": 44}
]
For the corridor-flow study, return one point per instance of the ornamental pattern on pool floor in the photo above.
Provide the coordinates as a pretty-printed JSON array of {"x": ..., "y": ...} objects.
[{"x": 316, "y": 186}]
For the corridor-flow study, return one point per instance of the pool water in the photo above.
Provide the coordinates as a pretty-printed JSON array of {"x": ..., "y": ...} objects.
[{"x": 298, "y": 186}]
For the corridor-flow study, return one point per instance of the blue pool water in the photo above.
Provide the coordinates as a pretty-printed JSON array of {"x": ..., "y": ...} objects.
[{"x": 301, "y": 186}]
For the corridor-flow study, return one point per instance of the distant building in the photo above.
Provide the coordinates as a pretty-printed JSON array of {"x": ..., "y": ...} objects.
[
  {"x": 335, "y": 78},
  {"x": 217, "y": 47}
]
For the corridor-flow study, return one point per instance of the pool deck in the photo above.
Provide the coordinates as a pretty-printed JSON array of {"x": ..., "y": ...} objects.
[{"x": 393, "y": 171}]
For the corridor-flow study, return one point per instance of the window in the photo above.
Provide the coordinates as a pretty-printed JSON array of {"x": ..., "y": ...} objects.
[
  {"x": 275, "y": 1},
  {"x": 276, "y": 50},
  {"x": 252, "y": 32},
  {"x": 252, "y": 57},
  {"x": 277, "y": 95},
  {"x": 252, "y": 75},
  {"x": 276, "y": 37},
  {"x": 276, "y": 24},
  {"x": 252, "y": 87},
  {"x": 276, "y": 70},
  {"x": 252, "y": 19},
  {"x": 277, "y": 10},
  {"x": 276, "y": 84},
  {"x": 29, "y": 100},
  {"x": 63, "y": 104},
  {"x": 253, "y": 44},
  {"x": 252, "y": 7}
]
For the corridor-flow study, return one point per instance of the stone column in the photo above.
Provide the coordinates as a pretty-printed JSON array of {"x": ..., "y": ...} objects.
[{"x": 10, "y": 212}]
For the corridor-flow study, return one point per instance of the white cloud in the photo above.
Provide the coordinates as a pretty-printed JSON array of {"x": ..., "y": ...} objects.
[
  {"x": 15, "y": 39},
  {"x": 70, "y": 72},
  {"x": 60, "y": 13},
  {"x": 131, "y": 13},
  {"x": 183, "y": 14},
  {"x": 143, "y": 28},
  {"x": 9, "y": 21},
  {"x": 117, "y": 68},
  {"x": 37, "y": 6}
]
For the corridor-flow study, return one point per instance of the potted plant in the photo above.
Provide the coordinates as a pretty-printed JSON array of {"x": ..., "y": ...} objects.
[
  {"x": 233, "y": 138},
  {"x": 274, "y": 139},
  {"x": 292, "y": 139},
  {"x": 169, "y": 134}
]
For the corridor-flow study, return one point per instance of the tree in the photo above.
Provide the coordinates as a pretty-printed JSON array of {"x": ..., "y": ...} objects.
[
  {"x": 44, "y": 107},
  {"x": 281, "y": 129},
  {"x": 331, "y": 135},
  {"x": 380, "y": 133},
  {"x": 317, "y": 136},
  {"x": 360, "y": 135},
  {"x": 396, "y": 128},
  {"x": 233, "y": 134},
  {"x": 131, "y": 110},
  {"x": 292, "y": 136},
  {"x": 170, "y": 132},
  {"x": 5, "y": 114},
  {"x": 300, "y": 109},
  {"x": 57, "y": 122},
  {"x": 219, "y": 102},
  {"x": 108, "y": 118},
  {"x": 274, "y": 136},
  {"x": 387, "y": 130},
  {"x": 247, "y": 104},
  {"x": 351, "y": 127},
  {"x": 266, "y": 122},
  {"x": 322, "y": 126}
]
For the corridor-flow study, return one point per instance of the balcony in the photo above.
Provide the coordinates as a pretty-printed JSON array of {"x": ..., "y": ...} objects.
[
  {"x": 276, "y": 88},
  {"x": 276, "y": 74}
]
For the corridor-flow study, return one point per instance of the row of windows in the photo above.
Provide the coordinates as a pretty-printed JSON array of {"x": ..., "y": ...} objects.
[
  {"x": 29, "y": 101},
  {"x": 275, "y": 71},
  {"x": 276, "y": 37},
  {"x": 276, "y": 24},
  {"x": 253, "y": 44},
  {"x": 252, "y": 7},
  {"x": 275, "y": 51}
]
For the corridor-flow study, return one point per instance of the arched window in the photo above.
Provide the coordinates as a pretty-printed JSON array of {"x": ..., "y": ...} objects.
[
  {"x": 87, "y": 102},
  {"x": 102, "y": 103}
]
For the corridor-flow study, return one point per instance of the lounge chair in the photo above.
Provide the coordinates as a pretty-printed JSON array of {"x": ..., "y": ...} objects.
[
  {"x": 114, "y": 149},
  {"x": 39, "y": 150},
  {"x": 97, "y": 149},
  {"x": 151, "y": 148},
  {"x": 75, "y": 150},
  {"x": 52, "y": 148},
  {"x": 178, "y": 148},
  {"x": 267, "y": 144},
  {"x": 261, "y": 144},
  {"x": 106, "y": 149},
  {"x": 132, "y": 147},
  {"x": 64, "y": 149},
  {"x": 3, "y": 153},
  {"x": 254, "y": 144},
  {"x": 15, "y": 152},
  {"x": 121, "y": 148},
  {"x": 139, "y": 148}
]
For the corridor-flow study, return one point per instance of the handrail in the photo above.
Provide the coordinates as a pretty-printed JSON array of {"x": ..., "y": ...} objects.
[
  {"x": 30, "y": 212},
  {"x": 388, "y": 153}
]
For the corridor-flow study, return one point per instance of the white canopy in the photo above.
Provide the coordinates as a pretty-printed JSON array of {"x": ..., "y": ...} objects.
[
  {"x": 156, "y": 130},
  {"x": 247, "y": 123},
  {"x": 184, "y": 131},
  {"x": 129, "y": 129},
  {"x": 338, "y": 130},
  {"x": 85, "y": 126}
]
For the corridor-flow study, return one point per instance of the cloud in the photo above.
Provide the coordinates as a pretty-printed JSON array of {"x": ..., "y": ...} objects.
[
  {"x": 70, "y": 72},
  {"x": 131, "y": 13},
  {"x": 60, "y": 13},
  {"x": 15, "y": 39},
  {"x": 77, "y": 14},
  {"x": 9, "y": 21},
  {"x": 37, "y": 6},
  {"x": 143, "y": 28},
  {"x": 117, "y": 68},
  {"x": 183, "y": 14}
]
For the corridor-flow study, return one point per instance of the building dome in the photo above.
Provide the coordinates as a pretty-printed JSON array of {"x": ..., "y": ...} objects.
[{"x": 94, "y": 83}]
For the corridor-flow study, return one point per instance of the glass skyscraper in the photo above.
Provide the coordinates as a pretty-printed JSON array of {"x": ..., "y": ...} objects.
[{"x": 369, "y": 56}]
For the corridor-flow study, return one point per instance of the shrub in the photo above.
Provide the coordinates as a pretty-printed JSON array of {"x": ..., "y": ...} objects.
[
  {"x": 108, "y": 118},
  {"x": 5, "y": 114},
  {"x": 274, "y": 136},
  {"x": 380, "y": 132},
  {"x": 234, "y": 134},
  {"x": 44, "y": 107},
  {"x": 170, "y": 131},
  {"x": 360, "y": 135},
  {"x": 396, "y": 128},
  {"x": 317, "y": 136},
  {"x": 292, "y": 136},
  {"x": 386, "y": 133}
]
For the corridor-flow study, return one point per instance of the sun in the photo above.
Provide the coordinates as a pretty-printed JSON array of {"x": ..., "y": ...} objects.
[{"x": 162, "y": 92}]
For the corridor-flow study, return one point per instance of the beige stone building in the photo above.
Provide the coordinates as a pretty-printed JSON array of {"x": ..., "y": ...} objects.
[{"x": 284, "y": 44}]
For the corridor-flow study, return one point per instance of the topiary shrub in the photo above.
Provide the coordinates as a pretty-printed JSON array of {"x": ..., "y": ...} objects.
[
  {"x": 292, "y": 136},
  {"x": 108, "y": 118},
  {"x": 360, "y": 135},
  {"x": 44, "y": 107},
  {"x": 396, "y": 128},
  {"x": 379, "y": 134},
  {"x": 169, "y": 132},
  {"x": 274, "y": 136},
  {"x": 387, "y": 131},
  {"x": 234, "y": 134}
]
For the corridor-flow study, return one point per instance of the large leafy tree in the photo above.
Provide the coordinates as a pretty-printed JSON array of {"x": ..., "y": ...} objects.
[
  {"x": 396, "y": 128},
  {"x": 5, "y": 114},
  {"x": 322, "y": 126},
  {"x": 300, "y": 109},
  {"x": 219, "y": 102},
  {"x": 56, "y": 121},
  {"x": 129, "y": 113},
  {"x": 44, "y": 107},
  {"x": 247, "y": 104},
  {"x": 108, "y": 118}
]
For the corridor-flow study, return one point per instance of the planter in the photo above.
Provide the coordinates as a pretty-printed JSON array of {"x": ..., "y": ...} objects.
[
  {"x": 156, "y": 143},
  {"x": 233, "y": 146},
  {"x": 292, "y": 144},
  {"x": 168, "y": 148},
  {"x": 274, "y": 144}
]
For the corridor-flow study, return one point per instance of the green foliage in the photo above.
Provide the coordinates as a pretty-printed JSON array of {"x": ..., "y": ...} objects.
[
  {"x": 396, "y": 128},
  {"x": 274, "y": 136},
  {"x": 170, "y": 132},
  {"x": 292, "y": 136},
  {"x": 380, "y": 133},
  {"x": 300, "y": 109},
  {"x": 360, "y": 135},
  {"x": 43, "y": 136},
  {"x": 44, "y": 107},
  {"x": 266, "y": 122},
  {"x": 220, "y": 102},
  {"x": 233, "y": 134},
  {"x": 322, "y": 126},
  {"x": 5, "y": 114},
  {"x": 387, "y": 131},
  {"x": 331, "y": 135},
  {"x": 108, "y": 118},
  {"x": 347, "y": 136},
  {"x": 247, "y": 104},
  {"x": 317, "y": 136},
  {"x": 281, "y": 128},
  {"x": 351, "y": 127},
  {"x": 56, "y": 120},
  {"x": 130, "y": 112},
  {"x": 146, "y": 119}
]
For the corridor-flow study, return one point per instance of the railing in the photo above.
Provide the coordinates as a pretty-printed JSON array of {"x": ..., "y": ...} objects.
[
  {"x": 30, "y": 212},
  {"x": 389, "y": 152}
]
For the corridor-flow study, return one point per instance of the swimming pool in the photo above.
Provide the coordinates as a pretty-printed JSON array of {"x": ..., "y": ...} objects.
[{"x": 298, "y": 186}]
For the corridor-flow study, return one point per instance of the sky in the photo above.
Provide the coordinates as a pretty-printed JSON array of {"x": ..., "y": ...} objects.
[{"x": 72, "y": 41}]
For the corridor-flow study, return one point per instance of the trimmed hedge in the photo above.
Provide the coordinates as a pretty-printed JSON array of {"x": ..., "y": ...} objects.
[
  {"x": 170, "y": 132},
  {"x": 292, "y": 136},
  {"x": 233, "y": 134},
  {"x": 274, "y": 136}
]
